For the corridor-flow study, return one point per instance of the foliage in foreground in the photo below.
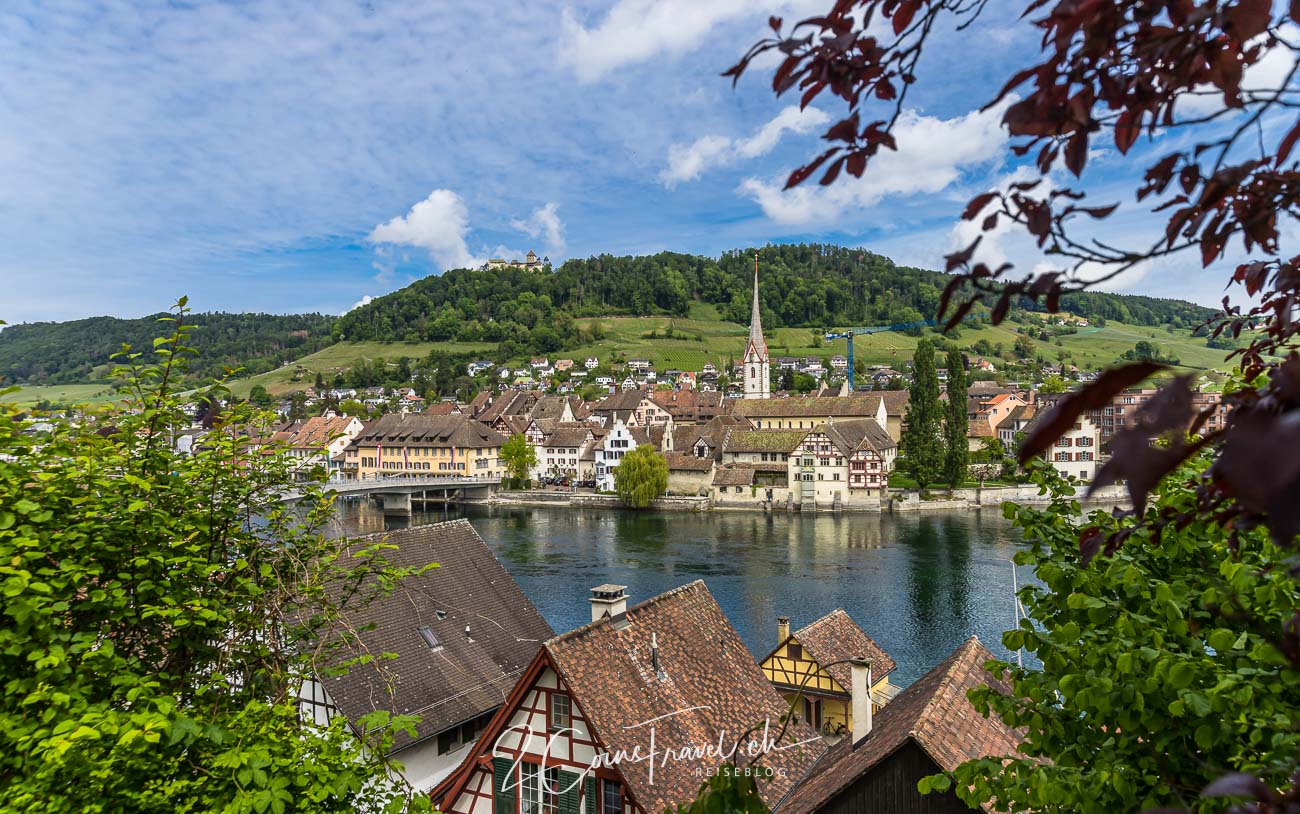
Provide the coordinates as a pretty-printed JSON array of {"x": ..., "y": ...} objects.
[
  {"x": 160, "y": 610},
  {"x": 641, "y": 476},
  {"x": 1151, "y": 686}
]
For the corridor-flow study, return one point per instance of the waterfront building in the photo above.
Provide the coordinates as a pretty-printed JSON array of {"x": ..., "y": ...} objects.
[
  {"x": 810, "y": 668},
  {"x": 887, "y": 407},
  {"x": 1075, "y": 453},
  {"x": 842, "y": 464},
  {"x": 671, "y": 672},
  {"x": 561, "y": 450},
  {"x": 618, "y": 442},
  {"x": 929, "y": 728},
  {"x": 411, "y": 444},
  {"x": 689, "y": 474},
  {"x": 756, "y": 366},
  {"x": 463, "y": 634}
]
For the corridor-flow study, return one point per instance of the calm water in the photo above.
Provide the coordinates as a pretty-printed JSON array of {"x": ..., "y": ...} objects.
[{"x": 918, "y": 585}]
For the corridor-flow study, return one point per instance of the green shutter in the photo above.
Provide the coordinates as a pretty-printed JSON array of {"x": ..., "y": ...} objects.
[
  {"x": 569, "y": 786},
  {"x": 503, "y": 785},
  {"x": 592, "y": 806}
]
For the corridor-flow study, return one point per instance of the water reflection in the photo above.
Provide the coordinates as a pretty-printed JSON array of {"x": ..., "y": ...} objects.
[{"x": 918, "y": 584}]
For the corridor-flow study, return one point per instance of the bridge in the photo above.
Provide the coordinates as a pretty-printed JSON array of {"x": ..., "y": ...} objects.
[{"x": 397, "y": 495}]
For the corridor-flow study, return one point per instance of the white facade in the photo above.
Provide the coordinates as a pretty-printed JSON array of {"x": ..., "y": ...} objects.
[
  {"x": 617, "y": 443},
  {"x": 1075, "y": 453}
]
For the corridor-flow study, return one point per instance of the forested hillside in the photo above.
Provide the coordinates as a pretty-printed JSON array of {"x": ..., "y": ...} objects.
[
  {"x": 520, "y": 312},
  {"x": 63, "y": 352},
  {"x": 808, "y": 285}
]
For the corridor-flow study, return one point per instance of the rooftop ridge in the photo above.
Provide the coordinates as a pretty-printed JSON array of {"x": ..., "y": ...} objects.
[{"x": 584, "y": 629}]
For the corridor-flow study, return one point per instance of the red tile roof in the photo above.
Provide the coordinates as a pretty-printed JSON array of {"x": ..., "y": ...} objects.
[
  {"x": 706, "y": 672},
  {"x": 934, "y": 713}
]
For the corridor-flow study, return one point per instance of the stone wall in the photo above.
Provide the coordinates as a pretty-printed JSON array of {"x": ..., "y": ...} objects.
[{"x": 993, "y": 497}]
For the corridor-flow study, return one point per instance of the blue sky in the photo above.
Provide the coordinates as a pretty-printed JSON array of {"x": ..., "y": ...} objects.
[{"x": 299, "y": 156}]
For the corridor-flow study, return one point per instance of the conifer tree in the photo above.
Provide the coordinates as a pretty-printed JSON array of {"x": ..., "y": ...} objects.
[
  {"x": 956, "y": 452},
  {"x": 922, "y": 442}
]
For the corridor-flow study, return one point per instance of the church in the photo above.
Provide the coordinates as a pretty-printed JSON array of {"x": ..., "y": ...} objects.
[{"x": 757, "y": 365}]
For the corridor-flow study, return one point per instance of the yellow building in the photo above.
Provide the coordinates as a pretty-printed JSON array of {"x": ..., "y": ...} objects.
[
  {"x": 816, "y": 660},
  {"x": 419, "y": 445}
]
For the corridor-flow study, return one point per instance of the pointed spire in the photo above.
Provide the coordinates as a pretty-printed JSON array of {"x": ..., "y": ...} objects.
[{"x": 757, "y": 345}]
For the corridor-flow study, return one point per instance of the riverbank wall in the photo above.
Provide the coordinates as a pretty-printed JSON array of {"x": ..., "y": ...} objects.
[{"x": 897, "y": 501}]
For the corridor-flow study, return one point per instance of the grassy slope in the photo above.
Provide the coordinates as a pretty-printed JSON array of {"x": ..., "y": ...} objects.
[{"x": 61, "y": 394}]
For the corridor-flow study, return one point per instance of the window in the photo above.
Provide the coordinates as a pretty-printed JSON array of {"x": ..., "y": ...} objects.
[
  {"x": 560, "y": 709},
  {"x": 611, "y": 797},
  {"x": 426, "y": 633},
  {"x": 538, "y": 792},
  {"x": 794, "y": 651}
]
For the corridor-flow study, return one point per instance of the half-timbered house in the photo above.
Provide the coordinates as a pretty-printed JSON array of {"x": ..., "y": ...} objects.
[
  {"x": 811, "y": 669},
  {"x": 626, "y": 715},
  {"x": 930, "y": 727}
]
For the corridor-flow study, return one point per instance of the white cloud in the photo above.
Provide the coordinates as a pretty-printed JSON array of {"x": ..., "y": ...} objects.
[
  {"x": 687, "y": 161},
  {"x": 366, "y": 300},
  {"x": 933, "y": 153},
  {"x": 636, "y": 30},
  {"x": 1266, "y": 74},
  {"x": 544, "y": 223},
  {"x": 438, "y": 224}
]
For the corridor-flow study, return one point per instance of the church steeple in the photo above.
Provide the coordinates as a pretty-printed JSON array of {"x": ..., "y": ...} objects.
[
  {"x": 756, "y": 366},
  {"x": 757, "y": 344}
]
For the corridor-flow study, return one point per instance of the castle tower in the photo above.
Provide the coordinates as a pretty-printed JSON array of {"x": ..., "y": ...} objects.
[{"x": 757, "y": 366}]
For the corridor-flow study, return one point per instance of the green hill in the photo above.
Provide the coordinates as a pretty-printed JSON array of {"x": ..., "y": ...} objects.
[
  {"x": 77, "y": 352},
  {"x": 679, "y": 310}
]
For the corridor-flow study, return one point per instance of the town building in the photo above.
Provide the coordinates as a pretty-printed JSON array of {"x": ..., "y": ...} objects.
[
  {"x": 560, "y": 451},
  {"x": 1075, "y": 453},
  {"x": 756, "y": 365},
  {"x": 617, "y": 443},
  {"x": 887, "y": 407},
  {"x": 842, "y": 464},
  {"x": 672, "y": 671},
  {"x": 318, "y": 442},
  {"x": 463, "y": 634},
  {"x": 811, "y": 669},
  {"x": 689, "y": 474},
  {"x": 410, "y": 444},
  {"x": 929, "y": 728}
]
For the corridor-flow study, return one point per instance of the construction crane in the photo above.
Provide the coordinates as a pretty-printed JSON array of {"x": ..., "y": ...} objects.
[{"x": 879, "y": 329}]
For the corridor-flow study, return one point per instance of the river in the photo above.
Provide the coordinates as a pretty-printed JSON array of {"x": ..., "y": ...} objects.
[{"x": 919, "y": 584}]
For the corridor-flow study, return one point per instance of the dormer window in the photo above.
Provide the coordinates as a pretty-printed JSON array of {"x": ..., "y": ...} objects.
[{"x": 426, "y": 633}]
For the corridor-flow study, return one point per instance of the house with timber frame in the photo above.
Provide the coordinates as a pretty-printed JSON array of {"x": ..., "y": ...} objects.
[
  {"x": 811, "y": 669},
  {"x": 625, "y": 715}
]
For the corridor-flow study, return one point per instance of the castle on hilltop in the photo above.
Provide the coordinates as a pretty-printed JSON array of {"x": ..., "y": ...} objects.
[{"x": 529, "y": 263}]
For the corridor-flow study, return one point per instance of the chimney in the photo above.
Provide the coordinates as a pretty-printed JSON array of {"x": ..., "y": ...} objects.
[
  {"x": 782, "y": 629},
  {"x": 861, "y": 694},
  {"x": 608, "y": 602}
]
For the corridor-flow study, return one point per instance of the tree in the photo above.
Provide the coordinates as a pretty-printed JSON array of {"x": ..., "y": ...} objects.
[
  {"x": 1053, "y": 384},
  {"x": 297, "y": 405},
  {"x": 641, "y": 476},
  {"x": 955, "y": 426},
  {"x": 922, "y": 442},
  {"x": 154, "y": 636},
  {"x": 1137, "y": 645},
  {"x": 519, "y": 458},
  {"x": 1123, "y": 69},
  {"x": 260, "y": 396},
  {"x": 1024, "y": 347}
]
